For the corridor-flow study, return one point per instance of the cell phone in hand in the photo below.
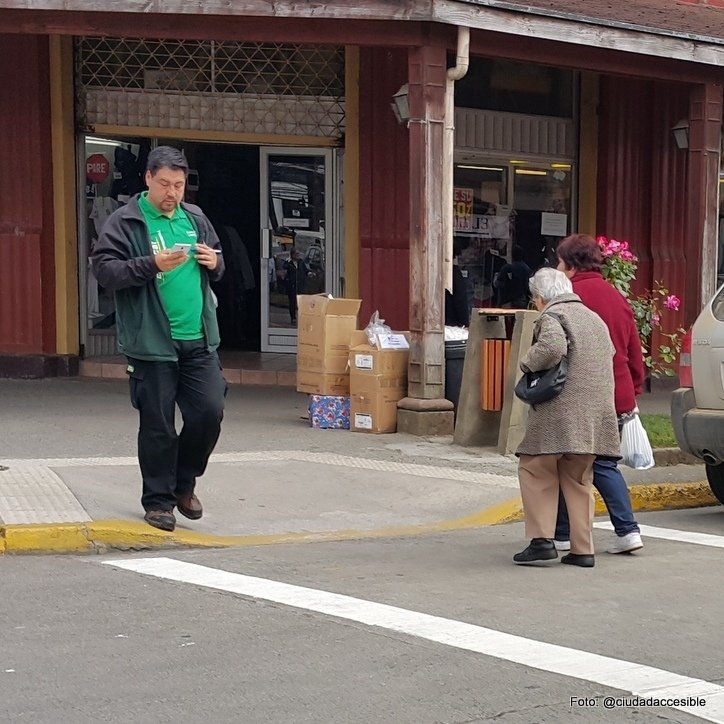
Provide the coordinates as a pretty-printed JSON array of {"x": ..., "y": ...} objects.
[{"x": 185, "y": 248}]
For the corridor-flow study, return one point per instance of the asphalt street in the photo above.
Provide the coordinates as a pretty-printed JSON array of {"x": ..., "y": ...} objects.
[{"x": 425, "y": 629}]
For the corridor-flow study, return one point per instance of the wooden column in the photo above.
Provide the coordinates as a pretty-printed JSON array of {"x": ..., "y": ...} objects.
[
  {"x": 705, "y": 137},
  {"x": 427, "y": 68},
  {"x": 425, "y": 411}
]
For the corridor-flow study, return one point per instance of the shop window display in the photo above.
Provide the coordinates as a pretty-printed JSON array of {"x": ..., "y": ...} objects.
[
  {"x": 502, "y": 205},
  {"x": 113, "y": 174}
]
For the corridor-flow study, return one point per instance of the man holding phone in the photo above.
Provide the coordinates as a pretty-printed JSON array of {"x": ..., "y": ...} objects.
[{"x": 167, "y": 328}]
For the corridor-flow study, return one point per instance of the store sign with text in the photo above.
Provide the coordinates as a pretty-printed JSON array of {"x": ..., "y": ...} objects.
[
  {"x": 462, "y": 209},
  {"x": 97, "y": 168}
]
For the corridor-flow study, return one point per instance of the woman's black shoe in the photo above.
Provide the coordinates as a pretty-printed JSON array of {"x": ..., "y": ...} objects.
[
  {"x": 540, "y": 549},
  {"x": 577, "y": 559}
]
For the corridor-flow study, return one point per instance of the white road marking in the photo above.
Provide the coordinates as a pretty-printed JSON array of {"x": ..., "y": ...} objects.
[
  {"x": 640, "y": 680},
  {"x": 683, "y": 536}
]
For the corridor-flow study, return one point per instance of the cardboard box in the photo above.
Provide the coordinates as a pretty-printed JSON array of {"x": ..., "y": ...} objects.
[
  {"x": 370, "y": 361},
  {"x": 378, "y": 380},
  {"x": 329, "y": 412},
  {"x": 316, "y": 383},
  {"x": 324, "y": 331},
  {"x": 373, "y": 407}
]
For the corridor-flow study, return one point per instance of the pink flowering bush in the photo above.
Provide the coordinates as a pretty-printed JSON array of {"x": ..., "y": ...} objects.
[{"x": 619, "y": 268}]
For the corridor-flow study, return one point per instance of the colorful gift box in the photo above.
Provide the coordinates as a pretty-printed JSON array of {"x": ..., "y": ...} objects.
[{"x": 328, "y": 412}]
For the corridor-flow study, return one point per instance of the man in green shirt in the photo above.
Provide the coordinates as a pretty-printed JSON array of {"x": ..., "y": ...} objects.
[{"x": 167, "y": 328}]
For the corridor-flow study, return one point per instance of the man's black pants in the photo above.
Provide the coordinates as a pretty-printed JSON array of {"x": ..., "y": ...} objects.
[{"x": 171, "y": 462}]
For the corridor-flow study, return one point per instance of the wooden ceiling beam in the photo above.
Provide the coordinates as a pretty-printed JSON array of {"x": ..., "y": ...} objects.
[{"x": 217, "y": 27}]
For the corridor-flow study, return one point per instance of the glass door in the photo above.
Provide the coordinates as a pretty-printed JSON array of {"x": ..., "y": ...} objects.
[{"x": 297, "y": 246}]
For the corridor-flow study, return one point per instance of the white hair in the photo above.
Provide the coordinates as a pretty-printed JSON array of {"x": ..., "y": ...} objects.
[{"x": 549, "y": 283}]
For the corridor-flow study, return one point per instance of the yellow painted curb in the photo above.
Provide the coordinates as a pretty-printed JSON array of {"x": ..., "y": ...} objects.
[
  {"x": 46, "y": 538},
  {"x": 645, "y": 497},
  {"x": 101, "y": 535}
]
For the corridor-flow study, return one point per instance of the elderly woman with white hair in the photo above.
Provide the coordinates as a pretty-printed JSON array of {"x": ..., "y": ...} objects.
[{"x": 564, "y": 434}]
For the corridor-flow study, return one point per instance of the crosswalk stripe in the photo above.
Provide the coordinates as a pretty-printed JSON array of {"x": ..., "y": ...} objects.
[
  {"x": 640, "y": 680},
  {"x": 682, "y": 536}
]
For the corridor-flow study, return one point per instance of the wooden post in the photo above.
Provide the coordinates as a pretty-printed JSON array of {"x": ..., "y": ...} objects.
[
  {"x": 425, "y": 411},
  {"x": 428, "y": 68},
  {"x": 705, "y": 137}
]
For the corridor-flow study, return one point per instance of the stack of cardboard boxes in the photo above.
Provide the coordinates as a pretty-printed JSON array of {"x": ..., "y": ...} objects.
[
  {"x": 351, "y": 384},
  {"x": 378, "y": 380},
  {"x": 325, "y": 328}
]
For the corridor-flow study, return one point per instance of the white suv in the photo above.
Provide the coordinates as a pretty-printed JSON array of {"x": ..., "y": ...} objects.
[{"x": 697, "y": 407}]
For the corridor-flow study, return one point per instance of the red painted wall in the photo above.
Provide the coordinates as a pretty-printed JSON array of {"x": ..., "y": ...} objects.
[
  {"x": 384, "y": 196},
  {"x": 642, "y": 184},
  {"x": 27, "y": 287}
]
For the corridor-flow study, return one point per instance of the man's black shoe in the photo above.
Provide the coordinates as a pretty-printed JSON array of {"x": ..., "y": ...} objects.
[
  {"x": 579, "y": 559},
  {"x": 540, "y": 549},
  {"x": 162, "y": 519}
]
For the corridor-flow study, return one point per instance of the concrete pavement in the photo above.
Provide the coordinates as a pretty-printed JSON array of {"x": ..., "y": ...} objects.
[{"x": 70, "y": 480}]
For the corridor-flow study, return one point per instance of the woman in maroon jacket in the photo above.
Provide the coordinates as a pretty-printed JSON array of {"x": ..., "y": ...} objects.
[{"x": 580, "y": 259}]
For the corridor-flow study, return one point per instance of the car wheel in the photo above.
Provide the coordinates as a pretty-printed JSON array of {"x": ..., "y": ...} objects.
[{"x": 715, "y": 476}]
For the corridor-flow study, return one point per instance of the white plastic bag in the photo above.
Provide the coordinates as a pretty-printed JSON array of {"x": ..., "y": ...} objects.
[
  {"x": 375, "y": 327},
  {"x": 636, "y": 449}
]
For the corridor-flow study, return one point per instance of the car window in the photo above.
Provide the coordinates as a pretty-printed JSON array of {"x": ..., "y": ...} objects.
[{"x": 717, "y": 305}]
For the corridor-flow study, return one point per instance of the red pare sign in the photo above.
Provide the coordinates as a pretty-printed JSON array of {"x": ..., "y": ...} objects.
[{"x": 97, "y": 168}]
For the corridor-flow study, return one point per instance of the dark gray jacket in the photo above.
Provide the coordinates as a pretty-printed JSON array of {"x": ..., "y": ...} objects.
[{"x": 123, "y": 262}]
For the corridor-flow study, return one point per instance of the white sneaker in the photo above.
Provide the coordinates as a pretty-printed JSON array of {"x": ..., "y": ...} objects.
[
  {"x": 562, "y": 545},
  {"x": 626, "y": 543}
]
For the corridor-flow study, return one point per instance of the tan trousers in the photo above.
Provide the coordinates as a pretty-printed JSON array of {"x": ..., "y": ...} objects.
[{"x": 540, "y": 478}]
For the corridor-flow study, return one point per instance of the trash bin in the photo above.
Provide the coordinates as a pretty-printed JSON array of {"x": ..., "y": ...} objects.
[{"x": 454, "y": 362}]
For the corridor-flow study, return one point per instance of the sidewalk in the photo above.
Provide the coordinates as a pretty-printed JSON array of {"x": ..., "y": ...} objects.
[{"x": 71, "y": 480}]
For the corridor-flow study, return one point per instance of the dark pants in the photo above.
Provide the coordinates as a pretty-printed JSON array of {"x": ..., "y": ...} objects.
[
  {"x": 609, "y": 482},
  {"x": 170, "y": 462},
  {"x": 292, "y": 306}
]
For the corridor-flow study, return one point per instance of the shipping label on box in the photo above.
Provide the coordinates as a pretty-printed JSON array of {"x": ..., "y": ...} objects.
[
  {"x": 362, "y": 421},
  {"x": 392, "y": 341},
  {"x": 363, "y": 361}
]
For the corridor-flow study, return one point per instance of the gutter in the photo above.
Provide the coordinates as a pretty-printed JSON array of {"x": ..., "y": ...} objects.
[{"x": 576, "y": 18}]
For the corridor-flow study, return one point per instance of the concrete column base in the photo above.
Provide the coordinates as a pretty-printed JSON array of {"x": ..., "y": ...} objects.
[{"x": 425, "y": 418}]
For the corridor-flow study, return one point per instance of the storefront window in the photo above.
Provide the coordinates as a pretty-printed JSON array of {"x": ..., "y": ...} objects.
[
  {"x": 511, "y": 211},
  {"x": 481, "y": 227},
  {"x": 113, "y": 173}
]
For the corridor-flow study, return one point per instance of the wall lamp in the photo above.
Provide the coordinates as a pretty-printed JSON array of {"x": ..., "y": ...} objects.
[
  {"x": 401, "y": 104},
  {"x": 681, "y": 134}
]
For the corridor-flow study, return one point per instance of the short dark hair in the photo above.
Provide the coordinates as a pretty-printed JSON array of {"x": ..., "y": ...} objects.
[
  {"x": 517, "y": 253},
  {"x": 166, "y": 157},
  {"x": 580, "y": 252}
]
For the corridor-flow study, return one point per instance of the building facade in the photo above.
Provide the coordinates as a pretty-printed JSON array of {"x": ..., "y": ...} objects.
[{"x": 563, "y": 121}]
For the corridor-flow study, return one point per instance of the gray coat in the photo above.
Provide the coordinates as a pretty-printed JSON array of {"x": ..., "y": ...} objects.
[{"x": 582, "y": 419}]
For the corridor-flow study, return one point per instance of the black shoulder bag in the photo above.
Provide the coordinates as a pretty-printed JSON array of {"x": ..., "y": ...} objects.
[{"x": 536, "y": 387}]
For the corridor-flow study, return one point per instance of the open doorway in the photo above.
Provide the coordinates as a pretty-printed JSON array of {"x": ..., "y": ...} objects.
[{"x": 224, "y": 181}]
